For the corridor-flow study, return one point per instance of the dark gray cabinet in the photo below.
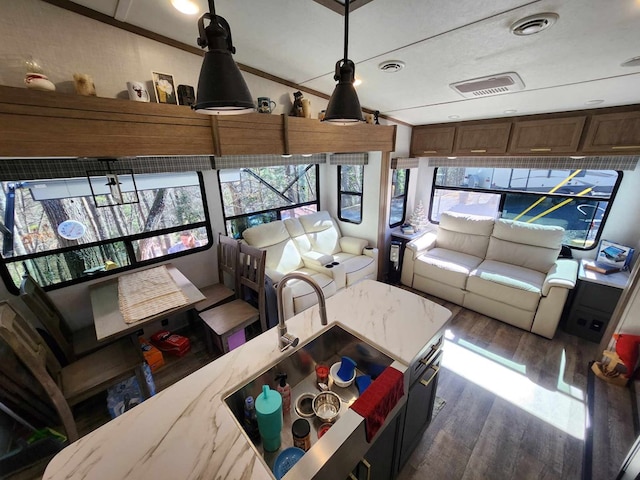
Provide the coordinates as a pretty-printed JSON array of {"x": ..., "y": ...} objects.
[{"x": 591, "y": 309}]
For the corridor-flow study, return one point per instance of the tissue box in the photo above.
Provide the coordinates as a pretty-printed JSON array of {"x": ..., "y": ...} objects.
[
  {"x": 127, "y": 394},
  {"x": 152, "y": 355}
]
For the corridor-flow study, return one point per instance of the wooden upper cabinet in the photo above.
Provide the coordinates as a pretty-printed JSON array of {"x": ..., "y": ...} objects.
[
  {"x": 549, "y": 135},
  {"x": 249, "y": 134},
  {"x": 613, "y": 132},
  {"x": 428, "y": 140},
  {"x": 489, "y": 138}
]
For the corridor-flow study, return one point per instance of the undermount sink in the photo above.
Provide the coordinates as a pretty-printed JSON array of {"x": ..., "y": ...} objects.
[{"x": 327, "y": 348}]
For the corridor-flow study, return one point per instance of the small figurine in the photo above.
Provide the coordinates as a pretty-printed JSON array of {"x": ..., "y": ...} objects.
[
  {"x": 84, "y": 84},
  {"x": 296, "y": 108},
  {"x": 376, "y": 114}
]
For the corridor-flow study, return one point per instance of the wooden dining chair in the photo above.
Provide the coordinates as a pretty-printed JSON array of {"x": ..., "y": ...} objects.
[
  {"x": 68, "y": 385},
  {"x": 224, "y": 320},
  {"x": 73, "y": 344},
  {"x": 220, "y": 292}
]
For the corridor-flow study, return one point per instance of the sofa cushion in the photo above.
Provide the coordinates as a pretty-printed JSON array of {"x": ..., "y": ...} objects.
[
  {"x": 507, "y": 283},
  {"x": 294, "y": 227},
  {"x": 464, "y": 233},
  {"x": 525, "y": 244},
  {"x": 324, "y": 234},
  {"x": 449, "y": 267},
  {"x": 282, "y": 254}
]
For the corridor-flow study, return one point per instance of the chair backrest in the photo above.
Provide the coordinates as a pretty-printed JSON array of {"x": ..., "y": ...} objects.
[
  {"x": 37, "y": 300},
  {"x": 251, "y": 267},
  {"x": 228, "y": 261},
  {"x": 34, "y": 353}
]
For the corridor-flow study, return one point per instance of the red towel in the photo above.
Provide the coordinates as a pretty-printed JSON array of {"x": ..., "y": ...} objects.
[{"x": 379, "y": 399}]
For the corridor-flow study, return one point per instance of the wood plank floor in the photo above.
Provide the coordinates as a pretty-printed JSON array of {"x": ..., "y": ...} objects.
[{"x": 509, "y": 408}]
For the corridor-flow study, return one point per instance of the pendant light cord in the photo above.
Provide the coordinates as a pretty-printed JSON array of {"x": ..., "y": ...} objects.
[
  {"x": 212, "y": 9},
  {"x": 346, "y": 29}
]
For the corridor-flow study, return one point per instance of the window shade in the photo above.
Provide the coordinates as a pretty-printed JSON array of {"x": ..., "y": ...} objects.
[
  {"x": 622, "y": 162},
  {"x": 403, "y": 163},
  {"x": 349, "y": 159},
  {"x": 255, "y": 161}
]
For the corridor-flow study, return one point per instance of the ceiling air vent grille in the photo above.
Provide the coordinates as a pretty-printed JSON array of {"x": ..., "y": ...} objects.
[{"x": 487, "y": 86}]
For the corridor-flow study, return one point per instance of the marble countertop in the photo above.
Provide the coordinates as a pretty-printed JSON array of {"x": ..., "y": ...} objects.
[{"x": 185, "y": 432}]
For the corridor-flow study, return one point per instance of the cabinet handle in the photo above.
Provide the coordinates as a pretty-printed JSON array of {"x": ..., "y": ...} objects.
[
  {"x": 368, "y": 467},
  {"x": 429, "y": 151},
  {"x": 434, "y": 348},
  {"x": 540, "y": 149},
  {"x": 352, "y": 477},
  {"x": 480, "y": 150},
  {"x": 436, "y": 369},
  {"x": 625, "y": 147}
]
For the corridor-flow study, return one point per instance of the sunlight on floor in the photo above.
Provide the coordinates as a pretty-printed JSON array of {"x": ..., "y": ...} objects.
[{"x": 564, "y": 408}]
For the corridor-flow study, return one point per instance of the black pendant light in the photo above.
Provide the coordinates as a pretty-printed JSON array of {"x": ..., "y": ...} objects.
[
  {"x": 344, "y": 106},
  {"x": 221, "y": 88}
]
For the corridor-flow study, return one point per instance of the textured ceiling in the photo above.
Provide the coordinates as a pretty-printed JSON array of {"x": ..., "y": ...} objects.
[{"x": 575, "y": 61}]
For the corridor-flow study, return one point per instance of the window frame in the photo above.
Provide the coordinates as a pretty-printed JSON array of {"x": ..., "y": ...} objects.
[
  {"x": 351, "y": 193},
  {"x": 128, "y": 243},
  {"x": 404, "y": 195},
  {"x": 503, "y": 193},
  {"x": 278, "y": 211}
]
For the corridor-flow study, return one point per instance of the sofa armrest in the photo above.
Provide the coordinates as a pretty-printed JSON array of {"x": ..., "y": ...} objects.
[
  {"x": 353, "y": 245},
  {"x": 316, "y": 259},
  {"x": 336, "y": 272},
  {"x": 564, "y": 274},
  {"x": 421, "y": 244},
  {"x": 370, "y": 252},
  {"x": 274, "y": 275}
]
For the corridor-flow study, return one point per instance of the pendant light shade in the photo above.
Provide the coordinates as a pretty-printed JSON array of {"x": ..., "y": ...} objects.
[
  {"x": 344, "y": 106},
  {"x": 221, "y": 88}
]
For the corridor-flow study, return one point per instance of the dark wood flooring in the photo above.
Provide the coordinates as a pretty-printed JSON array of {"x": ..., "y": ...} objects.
[
  {"x": 478, "y": 434},
  {"x": 481, "y": 435}
]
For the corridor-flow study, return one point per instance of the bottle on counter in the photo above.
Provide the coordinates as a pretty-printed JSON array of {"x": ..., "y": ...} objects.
[
  {"x": 285, "y": 390},
  {"x": 251, "y": 419}
]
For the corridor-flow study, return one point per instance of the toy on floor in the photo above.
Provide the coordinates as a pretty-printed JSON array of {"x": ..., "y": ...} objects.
[
  {"x": 620, "y": 366},
  {"x": 171, "y": 343}
]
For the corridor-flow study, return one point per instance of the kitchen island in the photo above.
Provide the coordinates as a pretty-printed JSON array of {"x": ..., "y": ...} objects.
[{"x": 186, "y": 431}]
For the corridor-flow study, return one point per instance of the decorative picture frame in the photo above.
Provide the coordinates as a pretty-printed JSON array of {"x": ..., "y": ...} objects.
[
  {"x": 614, "y": 254},
  {"x": 164, "y": 87}
]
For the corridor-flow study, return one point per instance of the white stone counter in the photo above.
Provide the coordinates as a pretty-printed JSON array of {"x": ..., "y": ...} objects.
[{"x": 185, "y": 432}]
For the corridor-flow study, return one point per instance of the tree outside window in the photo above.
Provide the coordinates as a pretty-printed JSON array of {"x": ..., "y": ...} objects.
[{"x": 350, "y": 185}]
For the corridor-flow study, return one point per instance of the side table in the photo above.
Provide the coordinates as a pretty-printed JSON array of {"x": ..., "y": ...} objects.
[
  {"x": 593, "y": 301},
  {"x": 400, "y": 239}
]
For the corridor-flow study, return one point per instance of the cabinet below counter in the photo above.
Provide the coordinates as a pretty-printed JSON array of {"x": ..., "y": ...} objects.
[{"x": 186, "y": 431}]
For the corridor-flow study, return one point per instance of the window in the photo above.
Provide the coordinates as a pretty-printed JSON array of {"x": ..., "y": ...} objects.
[
  {"x": 350, "y": 180},
  {"x": 251, "y": 196},
  {"x": 399, "y": 187},
  {"x": 58, "y": 235},
  {"x": 577, "y": 200}
]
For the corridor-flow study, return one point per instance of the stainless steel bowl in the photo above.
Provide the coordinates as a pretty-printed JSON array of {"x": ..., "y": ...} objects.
[{"x": 326, "y": 406}]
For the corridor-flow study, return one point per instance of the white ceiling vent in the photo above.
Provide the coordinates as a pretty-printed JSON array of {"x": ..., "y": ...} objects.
[
  {"x": 492, "y": 85},
  {"x": 391, "y": 66},
  {"x": 533, "y": 24}
]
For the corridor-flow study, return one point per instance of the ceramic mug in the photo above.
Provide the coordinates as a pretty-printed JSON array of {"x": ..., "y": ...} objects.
[
  {"x": 265, "y": 105},
  {"x": 138, "y": 92}
]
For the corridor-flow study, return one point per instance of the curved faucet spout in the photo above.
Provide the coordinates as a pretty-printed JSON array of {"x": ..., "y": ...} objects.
[{"x": 286, "y": 340}]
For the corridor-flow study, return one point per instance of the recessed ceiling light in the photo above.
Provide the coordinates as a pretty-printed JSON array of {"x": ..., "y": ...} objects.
[
  {"x": 594, "y": 102},
  {"x": 533, "y": 24},
  {"x": 510, "y": 111},
  {"x": 577, "y": 158},
  {"x": 391, "y": 66},
  {"x": 188, "y": 7},
  {"x": 632, "y": 62},
  {"x": 286, "y": 155},
  {"x": 307, "y": 155},
  {"x": 452, "y": 158},
  {"x": 453, "y": 117}
]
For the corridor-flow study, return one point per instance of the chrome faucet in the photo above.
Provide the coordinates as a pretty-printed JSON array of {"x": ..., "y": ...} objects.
[{"x": 286, "y": 340}]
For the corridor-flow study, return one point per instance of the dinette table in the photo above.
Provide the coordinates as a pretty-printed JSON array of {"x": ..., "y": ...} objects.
[{"x": 106, "y": 304}]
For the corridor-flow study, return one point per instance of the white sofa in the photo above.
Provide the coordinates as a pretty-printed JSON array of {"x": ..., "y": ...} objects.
[
  {"x": 313, "y": 245},
  {"x": 503, "y": 269}
]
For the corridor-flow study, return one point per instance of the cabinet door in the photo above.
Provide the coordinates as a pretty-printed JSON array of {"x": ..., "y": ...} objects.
[
  {"x": 432, "y": 140},
  {"x": 419, "y": 411},
  {"x": 557, "y": 135},
  {"x": 614, "y": 132},
  {"x": 483, "y": 138}
]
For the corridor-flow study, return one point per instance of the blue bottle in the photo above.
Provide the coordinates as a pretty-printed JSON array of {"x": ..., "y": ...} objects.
[{"x": 251, "y": 419}]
